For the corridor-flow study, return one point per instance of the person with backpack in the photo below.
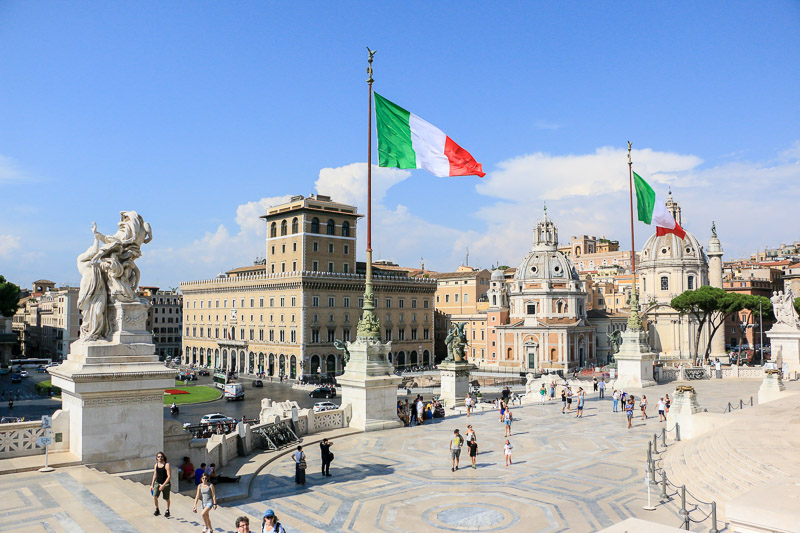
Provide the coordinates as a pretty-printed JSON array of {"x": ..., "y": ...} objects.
[
  {"x": 455, "y": 450},
  {"x": 507, "y": 419},
  {"x": 270, "y": 524}
]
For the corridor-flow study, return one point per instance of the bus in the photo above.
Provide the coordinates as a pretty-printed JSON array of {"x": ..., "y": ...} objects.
[
  {"x": 220, "y": 380},
  {"x": 30, "y": 362}
]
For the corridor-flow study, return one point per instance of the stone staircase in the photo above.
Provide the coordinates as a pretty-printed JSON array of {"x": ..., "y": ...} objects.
[
  {"x": 82, "y": 499},
  {"x": 716, "y": 467}
]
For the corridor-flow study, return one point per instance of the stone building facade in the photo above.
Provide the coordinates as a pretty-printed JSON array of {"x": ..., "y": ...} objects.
[
  {"x": 282, "y": 317},
  {"x": 164, "y": 320},
  {"x": 47, "y": 321}
]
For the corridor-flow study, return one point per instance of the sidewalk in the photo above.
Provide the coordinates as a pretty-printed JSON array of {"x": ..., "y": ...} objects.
[
  {"x": 249, "y": 467},
  {"x": 35, "y": 462}
]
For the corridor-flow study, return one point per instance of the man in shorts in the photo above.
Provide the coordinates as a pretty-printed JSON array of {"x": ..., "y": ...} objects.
[
  {"x": 662, "y": 406},
  {"x": 468, "y": 404},
  {"x": 455, "y": 450}
]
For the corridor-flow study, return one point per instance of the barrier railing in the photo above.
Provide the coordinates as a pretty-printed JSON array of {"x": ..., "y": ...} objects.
[
  {"x": 689, "y": 510},
  {"x": 732, "y": 407}
]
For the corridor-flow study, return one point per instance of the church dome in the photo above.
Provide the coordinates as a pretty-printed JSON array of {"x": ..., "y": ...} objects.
[
  {"x": 544, "y": 261},
  {"x": 670, "y": 247},
  {"x": 498, "y": 275}
]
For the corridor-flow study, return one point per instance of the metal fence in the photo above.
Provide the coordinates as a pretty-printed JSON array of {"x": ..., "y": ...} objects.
[{"x": 692, "y": 509}]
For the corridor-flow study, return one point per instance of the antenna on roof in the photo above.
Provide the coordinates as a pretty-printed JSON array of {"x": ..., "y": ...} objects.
[{"x": 466, "y": 259}]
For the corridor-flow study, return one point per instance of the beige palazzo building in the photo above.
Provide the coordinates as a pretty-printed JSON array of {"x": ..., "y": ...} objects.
[{"x": 282, "y": 315}]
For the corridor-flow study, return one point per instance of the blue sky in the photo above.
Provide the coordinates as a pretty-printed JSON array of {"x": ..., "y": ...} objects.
[{"x": 199, "y": 115}]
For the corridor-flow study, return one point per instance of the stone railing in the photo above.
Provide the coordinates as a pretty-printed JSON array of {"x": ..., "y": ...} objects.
[
  {"x": 18, "y": 439},
  {"x": 666, "y": 374}
]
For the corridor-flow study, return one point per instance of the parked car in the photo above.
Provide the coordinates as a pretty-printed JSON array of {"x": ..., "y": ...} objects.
[
  {"x": 23, "y": 374},
  {"x": 324, "y": 406},
  {"x": 258, "y": 383},
  {"x": 214, "y": 418},
  {"x": 203, "y": 372},
  {"x": 40, "y": 369},
  {"x": 183, "y": 376},
  {"x": 16, "y": 378},
  {"x": 323, "y": 392}
]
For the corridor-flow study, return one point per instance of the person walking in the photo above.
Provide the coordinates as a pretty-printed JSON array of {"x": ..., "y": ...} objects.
[
  {"x": 601, "y": 388},
  {"x": 507, "y": 451},
  {"x": 643, "y": 406},
  {"x": 327, "y": 456},
  {"x": 581, "y": 400},
  {"x": 569, "y": 399},
  {"x": 507, "y": 419},
  {"x": 594, "y": 383},
  {"x": 563, "y": 401},
  {"x": 162, "y": 475},
  {"x": 270, "y": 524},
  {"x": 206, "y": 493},
  {"x": 468, "y": 404},
  {"x": 505, "y": 395},
  {"x": 542, "y": 393},
  {"x": 455, "y": 450},
  {"x": 661, "y": 408},
  {"x": 629, "y": 410},
  {"x": 413, "y": 417},
  {"x": 667, "y": 403},
  {"x": 299, "y": 466},
  {"x": 420, "y": 412},
  {"x": 472, "y": 444},
  {"x": 552, "y": 390},
  {"x": 502, "y": 410},
  {"x": 615, "y": 404}
]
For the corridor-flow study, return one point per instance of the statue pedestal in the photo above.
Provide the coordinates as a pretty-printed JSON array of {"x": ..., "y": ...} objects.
[
  {"x": 681, "y": 412},
  {"x": 772, "y": 388},
  {"x": 113, "y": 391},
  {"x": 370, "y": 386},
  {"x": 785, "y": 342},
  {"x": 634, "y": 362},
  {"x": 455, "y": 382}
]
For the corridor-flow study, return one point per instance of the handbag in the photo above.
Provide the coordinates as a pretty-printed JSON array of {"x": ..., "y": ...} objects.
[
  {"x": 301, "y": 464},
  {"x": 330, "y": 456}
]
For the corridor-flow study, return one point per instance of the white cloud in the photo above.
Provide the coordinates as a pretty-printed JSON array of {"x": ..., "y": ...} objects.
[
  {"x": 10, "y": 172},
  {"x": 248, "y": 215},
  {"x": 552, "y": 177},
  {"x": 9, "y": 244},
  {"x": 348, "y": 184}
]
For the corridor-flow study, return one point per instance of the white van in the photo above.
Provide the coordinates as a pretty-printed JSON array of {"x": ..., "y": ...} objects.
[{"x": 234, "y": 391}]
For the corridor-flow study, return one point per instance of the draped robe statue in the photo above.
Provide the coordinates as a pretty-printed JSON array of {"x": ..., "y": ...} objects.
[{"x": 109, "y": 273}]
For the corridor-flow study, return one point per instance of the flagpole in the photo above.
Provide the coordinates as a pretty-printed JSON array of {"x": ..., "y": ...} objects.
[
  {"x": 634, "y": 320},
  {"x": 368, "y": 326}
]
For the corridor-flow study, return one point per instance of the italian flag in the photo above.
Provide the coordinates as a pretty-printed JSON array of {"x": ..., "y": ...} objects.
[
  {"x": 407, "y": 141},
  {"x": 652, "y": 209}
]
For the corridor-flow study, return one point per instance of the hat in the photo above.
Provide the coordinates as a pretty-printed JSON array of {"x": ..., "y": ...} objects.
[{"x": 269, "y": 513}]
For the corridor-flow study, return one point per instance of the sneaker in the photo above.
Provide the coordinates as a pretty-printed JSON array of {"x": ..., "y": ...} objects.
[
  {"x": 456, "y": 467},
  {"x": 166, "y": 513},
  {"x": 453, "y": 469},
  {"x": 157, "y": 513}
]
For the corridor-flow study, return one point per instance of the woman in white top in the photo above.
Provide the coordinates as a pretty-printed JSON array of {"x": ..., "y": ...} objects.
[
  {"x": 507, "y": 451},
  {"x": 643, "y": 405},
  {"x": 299, "y": 466}
]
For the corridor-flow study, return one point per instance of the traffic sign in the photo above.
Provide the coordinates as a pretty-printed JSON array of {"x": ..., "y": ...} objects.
[
  {"x": 44, "y": 441},
  {"x": 47, "y": 422}
]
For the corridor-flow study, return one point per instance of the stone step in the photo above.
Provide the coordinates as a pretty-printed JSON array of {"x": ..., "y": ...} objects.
[
  {"x": 696, "y": 479},
  {"x": 738, "y": 465}
]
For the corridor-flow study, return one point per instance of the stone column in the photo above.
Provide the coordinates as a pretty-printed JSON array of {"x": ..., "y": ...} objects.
[
  {"x": 714, "y": 254},
  {"x": 113, "y": 391}
]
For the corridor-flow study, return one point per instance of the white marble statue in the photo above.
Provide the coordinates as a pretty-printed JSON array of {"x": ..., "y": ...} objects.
[
  {"x": 109, "y": 273},
  {"x": 783, "y": 308}
]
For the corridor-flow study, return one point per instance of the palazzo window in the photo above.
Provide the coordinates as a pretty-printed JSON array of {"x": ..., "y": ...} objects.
[{"x": 664, "y": 283}]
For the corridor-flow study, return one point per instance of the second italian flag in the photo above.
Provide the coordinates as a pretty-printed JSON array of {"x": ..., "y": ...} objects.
[
  {"x": 407, "y": 141},
  {"x": 652, "y": 209}
]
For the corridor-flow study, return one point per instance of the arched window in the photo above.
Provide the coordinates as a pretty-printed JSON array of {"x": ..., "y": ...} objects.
[
  {"x": 273, "y": 230},
  {"x": 294, "y": 225},
  {"x": 331, "y": 227},
  {"x": 345, "y": 229},
  {"x": 283, "y": 228},
  {"x": 315, "y": 225}
]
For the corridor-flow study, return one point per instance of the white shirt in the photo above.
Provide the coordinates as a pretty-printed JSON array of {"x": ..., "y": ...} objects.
[
  {"x": 507, "y": 448},
  {"x": 616, "y": 395},
  {"x": 420, "y": 407},
  {"x": 661, "y": 405},
  {"x": 468, "y": 401}
]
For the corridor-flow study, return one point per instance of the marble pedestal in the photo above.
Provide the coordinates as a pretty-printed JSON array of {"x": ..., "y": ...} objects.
[
  {"x": 785, "y": 342},
  {"x": 113, "y": 391},
  {"x": 455, "y": 382},
  {"x": 634, "y": 362},
  {"x": 772, "y": 388},
  {"x": 370, "y": 386}
]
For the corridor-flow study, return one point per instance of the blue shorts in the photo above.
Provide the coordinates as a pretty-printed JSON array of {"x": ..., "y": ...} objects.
[{"x": 508, "y": 422}]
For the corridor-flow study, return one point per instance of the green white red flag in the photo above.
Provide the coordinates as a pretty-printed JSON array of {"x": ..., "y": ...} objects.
[
  {"x": 407, "y": 141},
  {"x": 653, "y": 210}
]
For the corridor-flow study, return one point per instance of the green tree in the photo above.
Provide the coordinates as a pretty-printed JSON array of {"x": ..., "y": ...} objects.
[
  {"x": 9, "y": 297},
  {"x": 797, "y": 305},
  {"x": 709, "y": 306}
]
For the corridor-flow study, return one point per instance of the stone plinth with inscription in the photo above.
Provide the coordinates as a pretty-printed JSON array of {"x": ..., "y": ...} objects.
[
  {"x": 113, "y": 391},
  {"x": 370, "y": 386},
  {"x": 634, "y": 361}
]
